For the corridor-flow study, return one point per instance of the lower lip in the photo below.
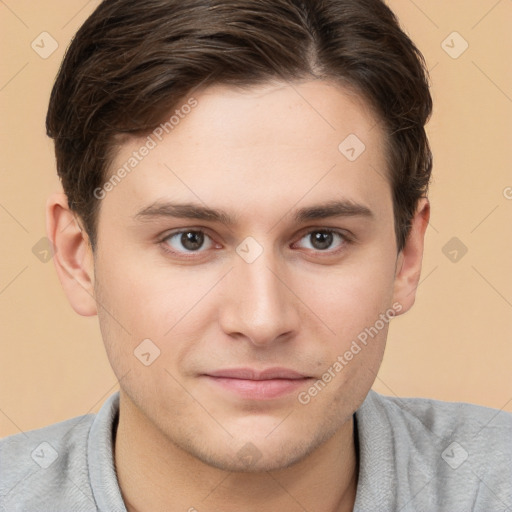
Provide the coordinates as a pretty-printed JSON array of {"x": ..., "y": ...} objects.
[{"x": 259, "y": 389}]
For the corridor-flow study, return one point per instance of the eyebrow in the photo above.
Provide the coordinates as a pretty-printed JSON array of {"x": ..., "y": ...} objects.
[{"x": 342, "y": 208}]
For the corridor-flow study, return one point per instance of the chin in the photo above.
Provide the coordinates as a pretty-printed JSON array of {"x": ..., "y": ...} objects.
[{"x": 251, "y": 455}]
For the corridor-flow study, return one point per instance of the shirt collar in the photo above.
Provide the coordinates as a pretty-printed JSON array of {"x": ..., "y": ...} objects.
[
  {"x": 100, "y": 457},
  {"x": 376, "y": 479}
]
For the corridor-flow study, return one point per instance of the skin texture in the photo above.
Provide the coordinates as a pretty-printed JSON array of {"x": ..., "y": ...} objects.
[{"x": 260, "y": 155}]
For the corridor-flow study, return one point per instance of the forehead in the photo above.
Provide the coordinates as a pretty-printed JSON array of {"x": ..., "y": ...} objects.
[
  {"x": 258, "y": 147},
  {"x": 281, "y": 114}
]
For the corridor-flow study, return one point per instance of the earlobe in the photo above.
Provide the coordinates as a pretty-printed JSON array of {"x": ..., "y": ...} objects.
[
  {"x": 73, "y": 255},
  {"x": 408, "y": 268}
]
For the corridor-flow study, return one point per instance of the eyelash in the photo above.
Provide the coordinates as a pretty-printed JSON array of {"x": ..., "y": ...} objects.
[{"x": 346, "y": 239}]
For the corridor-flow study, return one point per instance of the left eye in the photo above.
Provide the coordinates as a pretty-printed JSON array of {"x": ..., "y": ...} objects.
[
  {"x": 321, "y": 240},
  {"x": 191, "y": 240}
]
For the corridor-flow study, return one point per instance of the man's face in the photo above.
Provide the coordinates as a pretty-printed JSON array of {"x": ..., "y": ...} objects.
[{"x": 267, "y": 291}]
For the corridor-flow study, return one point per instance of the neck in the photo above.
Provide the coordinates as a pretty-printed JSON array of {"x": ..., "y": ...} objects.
[{"x": 156, "y": 475}]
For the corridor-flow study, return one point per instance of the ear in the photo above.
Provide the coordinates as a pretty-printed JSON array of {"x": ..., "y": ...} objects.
[
  {"x": 73, "y": 255},
  {"x": 408, "y": 267}
]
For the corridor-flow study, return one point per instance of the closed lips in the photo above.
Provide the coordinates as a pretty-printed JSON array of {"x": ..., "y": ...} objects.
[{"x": 252, "y": 374}]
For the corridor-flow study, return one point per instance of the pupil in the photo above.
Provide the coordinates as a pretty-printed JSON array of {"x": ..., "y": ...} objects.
[
  {"x": 322, "y": 240},
  {"x": 192, "y": 240}
]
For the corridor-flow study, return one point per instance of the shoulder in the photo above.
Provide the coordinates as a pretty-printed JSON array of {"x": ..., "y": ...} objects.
[
  {"x": 443, "y": 454},
  {"x": 46, "y": 467},
  {"x": 442, "y": 417}
]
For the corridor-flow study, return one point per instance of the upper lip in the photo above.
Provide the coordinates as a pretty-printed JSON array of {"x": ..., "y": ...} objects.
[{"x": 252, "y": 374}]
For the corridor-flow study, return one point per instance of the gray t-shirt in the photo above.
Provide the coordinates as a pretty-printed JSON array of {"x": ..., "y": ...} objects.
[{"x": 416, "y": 455}]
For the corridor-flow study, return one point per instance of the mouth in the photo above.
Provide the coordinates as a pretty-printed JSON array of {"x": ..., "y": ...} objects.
[{"x": 254, "y": 384}]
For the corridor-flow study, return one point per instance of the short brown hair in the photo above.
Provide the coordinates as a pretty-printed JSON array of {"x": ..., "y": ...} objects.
[{"x": 131, "y": 62}]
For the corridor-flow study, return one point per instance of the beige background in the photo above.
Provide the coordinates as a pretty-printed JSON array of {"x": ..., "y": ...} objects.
[{"x": 456, "y": 342}]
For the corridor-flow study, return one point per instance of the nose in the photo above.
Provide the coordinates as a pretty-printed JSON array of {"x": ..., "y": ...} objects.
[{"x": 259, "y": 305}]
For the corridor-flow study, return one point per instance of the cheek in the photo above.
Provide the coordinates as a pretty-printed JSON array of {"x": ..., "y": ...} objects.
[
  {"x": 351, "y": 300},
  {"x": 358, "y": 309},
  {"x": 152, "y": 302},
  {"x": 351, "y": 296},
  {"x": 150, "y": 298}
]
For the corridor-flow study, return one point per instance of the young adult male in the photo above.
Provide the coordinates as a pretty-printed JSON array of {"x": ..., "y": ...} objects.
[{"x": 244, "y": 208}]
